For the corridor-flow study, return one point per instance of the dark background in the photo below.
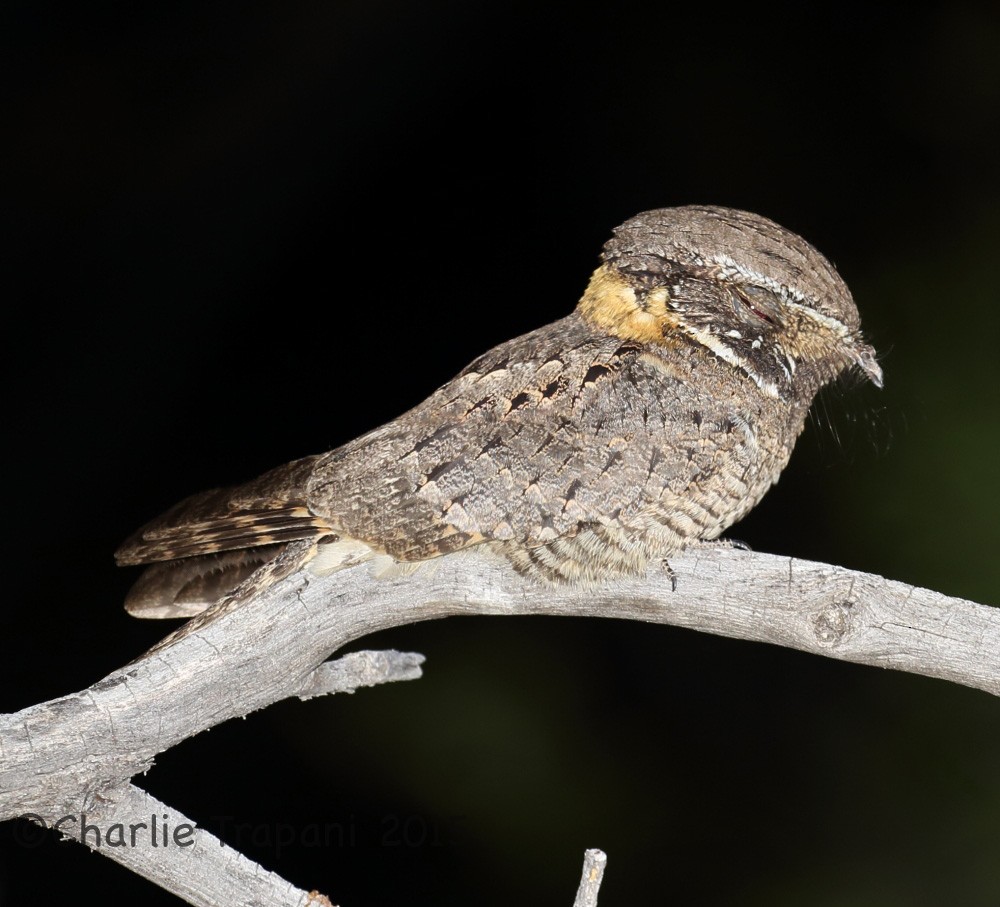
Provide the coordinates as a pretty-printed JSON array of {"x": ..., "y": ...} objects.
[{"x": 242, "y": 233}]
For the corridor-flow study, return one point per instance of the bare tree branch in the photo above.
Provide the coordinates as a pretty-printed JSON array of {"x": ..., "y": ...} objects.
[
  {"x": 195, "y": 865},
  {"x": 594, "y": 864},
  {"x": 72, "y": 754}
]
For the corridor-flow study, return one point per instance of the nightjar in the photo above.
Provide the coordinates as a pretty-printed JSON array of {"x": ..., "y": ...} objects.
[{"x": 653, "y": 416}]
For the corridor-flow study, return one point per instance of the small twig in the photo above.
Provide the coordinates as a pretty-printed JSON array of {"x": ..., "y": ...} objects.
[
  {"x": 361, "y": 669},
  {"x": 594, "y": 863}
]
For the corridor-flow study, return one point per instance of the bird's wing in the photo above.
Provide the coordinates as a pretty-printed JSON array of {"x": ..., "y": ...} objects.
[
  {"x": 437, "y": 478},
  {"x": 548, "y": 437},
  {"x": 267, "y": 511},
  {"x": 543, "y": 437}
]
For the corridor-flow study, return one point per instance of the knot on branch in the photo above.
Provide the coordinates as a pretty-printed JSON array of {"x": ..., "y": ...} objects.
[{"x": 833, "y": 623}]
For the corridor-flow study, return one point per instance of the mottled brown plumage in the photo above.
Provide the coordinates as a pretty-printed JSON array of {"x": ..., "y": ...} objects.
[{"x": 655, "y": 415}]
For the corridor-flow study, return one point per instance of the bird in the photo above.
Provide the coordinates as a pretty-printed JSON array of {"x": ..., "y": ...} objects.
[{"x": 649, "y": 419}]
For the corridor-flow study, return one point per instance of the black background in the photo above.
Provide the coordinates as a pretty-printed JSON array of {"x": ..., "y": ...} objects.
[{"x": 242, "y": 233}]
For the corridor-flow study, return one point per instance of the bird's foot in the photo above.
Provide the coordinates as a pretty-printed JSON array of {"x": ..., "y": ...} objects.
[{"x": 671, "y": 573}]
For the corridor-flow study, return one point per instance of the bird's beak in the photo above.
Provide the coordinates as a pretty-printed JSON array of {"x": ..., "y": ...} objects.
[{"x": 864, "y": 359}]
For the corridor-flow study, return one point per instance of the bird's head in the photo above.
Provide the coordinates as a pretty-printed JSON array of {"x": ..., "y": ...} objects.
[{"x": 755, "y": 295}]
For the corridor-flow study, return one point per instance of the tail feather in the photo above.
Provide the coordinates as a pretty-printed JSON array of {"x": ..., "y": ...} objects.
[
  {"x": 267, "y": 511},
  {"x": 187, "y": 587}
]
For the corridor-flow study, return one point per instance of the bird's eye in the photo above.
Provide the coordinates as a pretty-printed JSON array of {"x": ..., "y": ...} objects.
[{"x": 760, "y": 303}]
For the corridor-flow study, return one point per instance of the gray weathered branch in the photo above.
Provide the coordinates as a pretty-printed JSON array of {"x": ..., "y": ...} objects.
[
  {"x": 79, "y": 753},
  {"x": 200, "y": 868},
  {"x": 594, "y": 864}
]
